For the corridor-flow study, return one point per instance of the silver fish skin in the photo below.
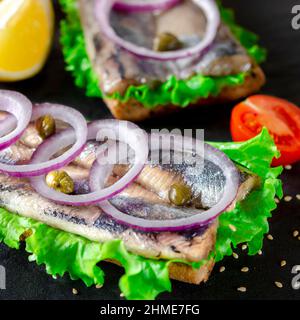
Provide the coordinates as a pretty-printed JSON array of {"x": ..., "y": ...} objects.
[
  {"x": 118, "y": 69},
  {"x": 206, "y": 187},
  {"x": 17, "y": 196}
]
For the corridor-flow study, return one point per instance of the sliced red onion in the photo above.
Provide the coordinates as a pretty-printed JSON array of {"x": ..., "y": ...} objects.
[
  {"x": 200, "y": 218},
  {"x": 144, "y": 5},
  {"x": 51, "y": 146},
  {"x": 210, "y": 9},
  {"x": 123, "y": 131},
  {"x": 8, "y": 124},
  {"x": 12, "y": 128}
]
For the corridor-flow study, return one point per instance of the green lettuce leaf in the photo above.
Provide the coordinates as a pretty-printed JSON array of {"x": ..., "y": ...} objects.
[
  {"x": 173, "y": 91},
  {"x": 255, "y": 154},
  {"x": 73, "y": 46},
  {"x": 250, "y": 221},
  {"x": 62, "y": 252},
  {"x": 248, "y": 39},
  {"x": 250, "y": 225},
  {"x": 12, "y": 227},
  {"x": 143, "y": 278}
]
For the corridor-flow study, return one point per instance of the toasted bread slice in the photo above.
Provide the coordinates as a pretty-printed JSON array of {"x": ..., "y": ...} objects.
[
  {"x": 187, "y": 274},
  {"x": 135, "y": 111},
  {"x": 184, "y": 273},
  {"x": 118, "y": 70}
]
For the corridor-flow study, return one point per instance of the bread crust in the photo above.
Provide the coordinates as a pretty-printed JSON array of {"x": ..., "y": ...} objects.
[
  {"x": 184, "y": 273},
  {"x": 135, "y": 111},
  {"x": 188, "y": 274}
]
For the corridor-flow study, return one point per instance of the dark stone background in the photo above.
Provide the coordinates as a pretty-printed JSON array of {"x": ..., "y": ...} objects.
[{"x": 272, "y": 20}]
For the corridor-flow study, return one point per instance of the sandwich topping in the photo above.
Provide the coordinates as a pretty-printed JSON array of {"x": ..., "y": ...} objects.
[
  {"x": 21, "y": 108},
  {"x": 27, "y": 114},
  {"x": 144, "y": 5},
  {"x": 104, "y": 70},
  {"x": 162, "y": 198},
  {"x": 180, "y": 194},
  {"x": 60, "y": 181},
  {"x": 190, "y": 206},
  {"x": 166, "y": 42},
  {"x": 120, "y": 65},
  {"x": 103, "y": 9},
  {"x": 45, "y": 126}
]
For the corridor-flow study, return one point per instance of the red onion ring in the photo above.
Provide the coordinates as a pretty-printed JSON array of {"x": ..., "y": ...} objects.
[
  {"x": 125, "y": 132},
  {"x": 7, "y": 125},
  {"x": 144, "y": 5},
  {"x": 36, "y": 168},
  {"x": 199, "y": 219},
  {"x": 103, "y": 9},
  {"x": 21, "y": 108}
]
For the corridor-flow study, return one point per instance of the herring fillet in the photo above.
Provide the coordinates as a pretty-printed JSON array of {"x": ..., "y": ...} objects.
[
  {"x": 17, "y": 196},
  {"x": 118, "y": 69}
]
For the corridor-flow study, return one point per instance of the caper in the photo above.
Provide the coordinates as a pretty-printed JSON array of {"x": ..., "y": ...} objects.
[
  {"x": 167, "y": 42},
  {"x": 45, "y": 126},
  {"x": 60, "y": 181},
  {"x": 155, "y": 84},
  {"x": 180, "y": 194}
]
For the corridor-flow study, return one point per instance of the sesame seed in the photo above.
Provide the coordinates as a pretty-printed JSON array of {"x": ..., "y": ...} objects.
[
  {"x": 299, "y": 238},
  {"x": 277, "y": 200},
  {"x": 99, "y": 286},
  {"x": 287, "y": 198},
  {"x": 235, "y": 255},
  {"x": 242, "y": 289},
  {"x": 222, "y": 269},
  {"x": 295, "y": 233},
  {"x": 282, "y": 263},
  {"x": 244, "y": 247},
  {"x": 74, "y": 291},
  {"x": 122, "y": 295},
  {"x": 298, "y": 196},
  {"x": 270, "y": 237},
  {"x": 278, "y": 284},
  {"x": 260, "y": 252},
  {"x": 288, "y": 167},
  {"x": 245, "y": 269},
  {"x": 232, "y": 227}
]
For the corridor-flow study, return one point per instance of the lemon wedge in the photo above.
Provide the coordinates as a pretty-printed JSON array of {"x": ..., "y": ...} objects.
[{"x": 26, "y": 32}]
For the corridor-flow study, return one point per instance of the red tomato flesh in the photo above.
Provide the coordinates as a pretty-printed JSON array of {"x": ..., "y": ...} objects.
[{"x": 280, "y": 117}]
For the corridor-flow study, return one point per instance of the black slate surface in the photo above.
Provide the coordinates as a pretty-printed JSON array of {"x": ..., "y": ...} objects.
[{"x": 272, "y": 20}]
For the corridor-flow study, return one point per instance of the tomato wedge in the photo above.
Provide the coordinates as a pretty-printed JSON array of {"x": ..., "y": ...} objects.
[{"x": 280, "y": 117}]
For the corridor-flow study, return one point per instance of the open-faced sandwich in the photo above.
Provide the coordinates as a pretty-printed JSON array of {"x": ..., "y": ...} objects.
[
  {"x": 158, "y": 217},
  {"x": 147, "y": 57}
]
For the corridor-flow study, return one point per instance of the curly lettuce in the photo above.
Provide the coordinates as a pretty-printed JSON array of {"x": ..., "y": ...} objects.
[
  {"x": 62, "y": 252},
  {"x": 174, "y": 91},
  {"x": 249, "y": 220}
]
